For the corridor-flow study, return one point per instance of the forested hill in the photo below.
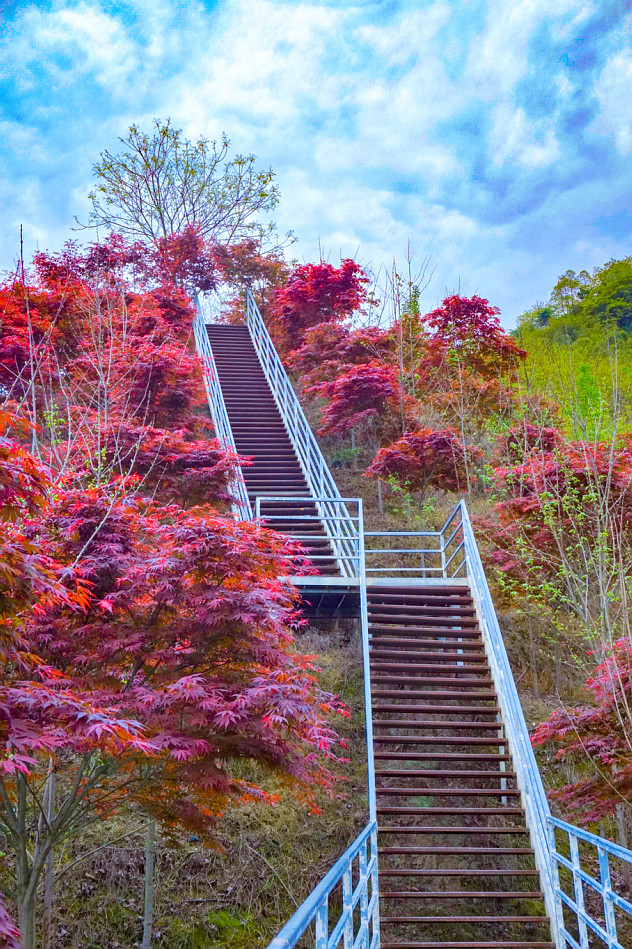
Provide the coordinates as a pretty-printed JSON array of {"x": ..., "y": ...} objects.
[{"x": 152, "y": 679}]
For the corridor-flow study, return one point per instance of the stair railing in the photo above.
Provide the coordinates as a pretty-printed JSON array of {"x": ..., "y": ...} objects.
[
  {"x": 217, "y": 407},
  {"x": 584, "y": 922},
  {"x": 313, "y": 465},
  {"x": 317, "y": 905}
]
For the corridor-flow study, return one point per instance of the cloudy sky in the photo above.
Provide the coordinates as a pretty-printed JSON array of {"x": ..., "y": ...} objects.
[{"x": 493, "y": 135}]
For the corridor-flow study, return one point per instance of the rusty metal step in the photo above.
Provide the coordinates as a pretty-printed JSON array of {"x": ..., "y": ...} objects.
[
  {"x": 394, "y": 830},
  {"x": 457, "y": 851},
  {"x": 448, "y": 792},
  {"x": 416, "y": 723},
  {"x": 437, "y": 709},
  {"x": 461, "y": 775},
  {"x": 439, "y": 756}
]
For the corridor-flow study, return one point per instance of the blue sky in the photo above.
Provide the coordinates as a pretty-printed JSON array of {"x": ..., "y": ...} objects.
[{"x": 493, "y": 135}]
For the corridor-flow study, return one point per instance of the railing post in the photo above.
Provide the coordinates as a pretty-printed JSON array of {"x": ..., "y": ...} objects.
[
  {"x": 555, "y": 880},
  {"x": 347, "y": 907},
  {"x": 322, "y": 924},
  {"x": 375, "y": 892},
  {"x": 607, "y": 894},
  {"x": 578, "y": 888},
  {"x": 364, "y": 895}
]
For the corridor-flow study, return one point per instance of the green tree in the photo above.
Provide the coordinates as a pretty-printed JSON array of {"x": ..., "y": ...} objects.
[{"x": 161, "y": 183}]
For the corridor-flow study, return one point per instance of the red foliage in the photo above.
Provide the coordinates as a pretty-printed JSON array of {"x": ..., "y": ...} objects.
[
  {"x": 187, "y": 632},
  {"x": 364, "y": 394},
  {"x": 576, "y": 475},
  {"x": 468, "y": 360},
  {"x": 525, "y": 438},
  {"x": 468, "y": 328},
  {"x": 602, "y": 731},
  {"x": 330, "y": 349},
  {"x": 186, "y": 260},
  {"x": 162, "y": 634},
  {"x": 313, "y": 294},
  {"x": 425, "y": 459},
  {"x": 9, "y": 933}
]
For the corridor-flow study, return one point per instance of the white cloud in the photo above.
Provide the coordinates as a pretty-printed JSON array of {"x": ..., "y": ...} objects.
[
  {"x": 614, "y": 92},
  {"x": 383, "y": 124}
]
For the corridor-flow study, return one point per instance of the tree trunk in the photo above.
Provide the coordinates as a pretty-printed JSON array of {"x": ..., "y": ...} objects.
[
  {"x": 26, "y": 913},
  {"x": 534, "y": 663},
  {"x": 558, "y": 665},
  {"x": 150, "y": 851},
  {"x": 354, "y": 455},
  {"x": 47, "y": 914},
  {"x": 622, "y": 833},
  {"x": 380, "y": 503}
]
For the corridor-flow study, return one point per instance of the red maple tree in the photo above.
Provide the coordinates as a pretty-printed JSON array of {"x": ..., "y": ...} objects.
[
  {"x": 314, "y": 294},
  {"x": 426, "y": 459}
]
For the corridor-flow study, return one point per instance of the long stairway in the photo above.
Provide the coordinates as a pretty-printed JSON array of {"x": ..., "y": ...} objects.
[
  {"x": 455, "y": 864},
  {"x": 260, "y": 435}
]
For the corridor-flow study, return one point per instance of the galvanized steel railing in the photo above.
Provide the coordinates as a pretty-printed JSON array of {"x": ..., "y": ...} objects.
[
  {"x": 418, "y": 554},
  {"x": 321, "y": 484},
  {"x": 219, "y": 415},
  {"x": 344, "y": 931},
  {"x": 583, "y": 921}
]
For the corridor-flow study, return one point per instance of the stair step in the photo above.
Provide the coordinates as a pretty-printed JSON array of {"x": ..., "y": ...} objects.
[
  {"x": 488, "y": 696},
  {"x": 445, "y": 774},
  {"x": 430, "y": 756},
  {"x": 451, "y": 792},
  {"x": 431, "y": 811},
  {"x": 437, "y": 709},
  {"x": 459, "y": 873},
  {"x": 467, "y": 945},
  {"x": 417, "y": 667},
  {"x": 459, "y": 894},
  {"x": 378, "y": 631},
  {"x": 421, "y": 829},
  {"x": 434, "y": 680},
  {"x": 465, "y": 919},
  {"x": 436, "y": 740},
  {"x": 456, "y": 851},
  {"x": 453, "y": 654},
  {"x": 416, "y": 723}
]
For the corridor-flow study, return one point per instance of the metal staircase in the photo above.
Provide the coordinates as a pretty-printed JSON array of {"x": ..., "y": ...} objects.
[
  {"x": 453, "y": 845},
  {"x": 469, "y": 854}
]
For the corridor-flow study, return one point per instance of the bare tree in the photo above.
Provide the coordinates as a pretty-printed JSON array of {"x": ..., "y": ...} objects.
[{"x": 162, "y": 182}]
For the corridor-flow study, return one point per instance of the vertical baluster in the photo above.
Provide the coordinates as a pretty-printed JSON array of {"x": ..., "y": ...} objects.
[
  {"x": 608, "y": 905},
  {"x": 347, "y": 907},
  {"x": 579, "y": 891},
  {"x": 364, "y": 896},
  {"x": 375, "y": 890},
  {"x": 555, "y": 879},
  {"x": 322, "y": 924}
]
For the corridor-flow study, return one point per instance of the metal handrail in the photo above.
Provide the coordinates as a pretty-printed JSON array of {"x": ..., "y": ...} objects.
[
  {"x": 313, "y": 465},
  {"x": 575, "y": 903},
  {"x": 316, "y": 906},
  {"x": 219, "y": 415}
]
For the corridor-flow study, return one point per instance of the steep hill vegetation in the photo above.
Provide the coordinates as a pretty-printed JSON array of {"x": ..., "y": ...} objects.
[{"x": 171, "y": 766}]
